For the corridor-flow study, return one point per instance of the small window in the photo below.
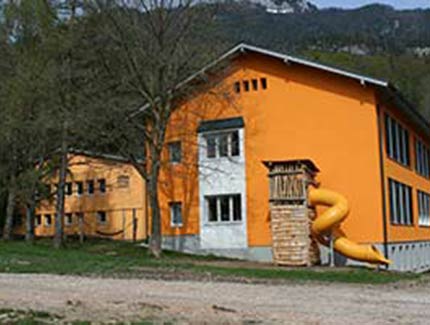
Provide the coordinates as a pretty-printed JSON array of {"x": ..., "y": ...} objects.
[
  {"x": 246, "y": 85},
  {"x": 254, "y": 84},
  {"x": 224, "y": 208},
  {"x": 237, "y": 87},
  {"x": 17, "y": 220},
  {"x": 101, "y": 217},
  {"x": 235, "y": 149},
  {"x": 263, "y": 82},
  {"x": 68, "y": 189},
  {"x": 176, "y": 214},
  {"x": 48, "y": 220},
  {"x": 37, "y": 220},
  {"x": 79, "y": 188},
  {"x": 175, "y": 152},
  {"x": 68, "y": 219},
  {"x": 123, "y": 181},
  {"x": 102, "y": 185},
  {"x": 79, "y": 216},
  {"x": 400, "y": 203},
  {"x": 90, "y": 187}
]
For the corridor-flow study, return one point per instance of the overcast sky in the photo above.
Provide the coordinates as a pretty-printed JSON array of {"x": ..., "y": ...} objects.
[{"x": 402, "y": 4}]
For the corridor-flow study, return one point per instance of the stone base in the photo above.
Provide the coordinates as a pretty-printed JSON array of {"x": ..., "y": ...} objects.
[{"x": 406, "y": 256}]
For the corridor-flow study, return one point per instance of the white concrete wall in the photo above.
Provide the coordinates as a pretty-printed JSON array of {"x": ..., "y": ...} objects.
[{"x": 218, "y": 176}]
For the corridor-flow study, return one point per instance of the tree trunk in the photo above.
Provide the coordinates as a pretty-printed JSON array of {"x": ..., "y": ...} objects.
[
  {"x": 29, "y": 234},
  {"x": 59, "y": 209},
  {"x": 155, "y": 241},
  {"x": 10, "y": 208}
]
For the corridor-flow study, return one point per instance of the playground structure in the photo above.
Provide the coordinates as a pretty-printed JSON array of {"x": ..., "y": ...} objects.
[{"x": 294, "y": 195}]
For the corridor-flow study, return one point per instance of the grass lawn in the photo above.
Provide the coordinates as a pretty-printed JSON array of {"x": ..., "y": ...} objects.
[{"x": 119, "y": 259}]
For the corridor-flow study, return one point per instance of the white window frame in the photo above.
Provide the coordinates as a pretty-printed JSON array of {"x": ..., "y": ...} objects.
[
  {"x": 45, "y": 218},
  {"x": 172, "y": 207},
  {"x": 218, "y": 208},
  {"x": 217, "y": 136}
]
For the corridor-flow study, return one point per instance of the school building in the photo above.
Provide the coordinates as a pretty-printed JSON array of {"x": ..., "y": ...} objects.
[
  {"x": 104, "y": 197},
  {"x": 367, "y": 143}
]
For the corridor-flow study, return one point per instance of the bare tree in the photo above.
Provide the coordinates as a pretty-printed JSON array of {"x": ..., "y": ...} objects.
[{"x": 146, "y": 50}]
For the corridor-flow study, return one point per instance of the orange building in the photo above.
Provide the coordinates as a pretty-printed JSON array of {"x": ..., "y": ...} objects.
[
  {"x": 105, "y": 197},
  {"x": 369, "y": 144}
]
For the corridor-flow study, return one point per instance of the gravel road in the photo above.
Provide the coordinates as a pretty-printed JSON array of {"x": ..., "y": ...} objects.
[{"x": 104, "y": 300}]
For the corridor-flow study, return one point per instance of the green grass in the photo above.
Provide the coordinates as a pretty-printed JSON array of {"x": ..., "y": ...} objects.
[{"x": 118, "y": 259}]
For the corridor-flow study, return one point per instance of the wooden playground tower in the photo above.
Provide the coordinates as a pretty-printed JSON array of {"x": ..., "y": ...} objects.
[{"x": 290, "y": 212}]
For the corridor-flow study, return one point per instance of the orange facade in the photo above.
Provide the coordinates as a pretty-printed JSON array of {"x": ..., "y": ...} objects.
[
  {"x": 303, "y": 113},
  {"x": 108, "y": 210}
]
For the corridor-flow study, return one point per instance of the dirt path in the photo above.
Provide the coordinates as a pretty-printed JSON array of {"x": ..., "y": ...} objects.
[{"x": 214, "y": 302}]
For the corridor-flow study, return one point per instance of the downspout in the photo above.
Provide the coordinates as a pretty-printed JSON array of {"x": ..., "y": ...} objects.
[{"x": 382, "y": 173}]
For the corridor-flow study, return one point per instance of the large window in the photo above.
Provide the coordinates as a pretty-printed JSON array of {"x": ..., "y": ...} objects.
[
  {"x": 176, "y": 214},
  {"x": 224, "y": 208},
  {"x": 423, "y": 209},
  {"x": 397, "y": 141},
  {"x": 400, "y": 203},
  {"x": 422, "y": 159},
  {"x": 222, "y": 144}
]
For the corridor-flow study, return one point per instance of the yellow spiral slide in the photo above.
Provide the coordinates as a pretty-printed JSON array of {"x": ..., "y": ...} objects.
[{"x": 328, "y": 223}]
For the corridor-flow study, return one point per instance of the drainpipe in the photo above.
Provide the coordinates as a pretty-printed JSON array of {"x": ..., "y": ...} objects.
[{"x": 382, "y": 173}]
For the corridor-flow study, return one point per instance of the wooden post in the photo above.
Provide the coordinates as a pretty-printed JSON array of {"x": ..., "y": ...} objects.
[
  {"x": 81, "y": 227},
  {"x": 134, "y": 225}
]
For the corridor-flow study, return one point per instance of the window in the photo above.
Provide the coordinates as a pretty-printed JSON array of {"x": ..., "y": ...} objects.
[
  {"x": 68, "y": 219},
  {"x": 246, "y": 85},
  {"x": 223, "y": 144},
  {"x": 68, "y": 189},
  {"x": 102, "y": 185},
  {"x": 237, "y": 87},
  {"x": 422, "y": 159},
  {"x": 254, "y": 84},
  {"x": 101, "y": 217},
  {"x": 224, "y": 208},
  {"x": 37, "y": 220},
  {"x": 176, "y": 214},
  {"x": 80, "y": 217},
  {"x": 79, "y": 188},
  {"x": 263, "y": 82},
  {"x": 175, "y": 152},
  {"x": 48, "y": 220},
  {"x": 400, "y": 203},
  {"x": 397, "y": 141},
  {"x": 90, "y": 187},
  {"x": 123, "y": 181},
  {"x": 423, "y": 209},
  {"x": 17, "y": 220}
]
